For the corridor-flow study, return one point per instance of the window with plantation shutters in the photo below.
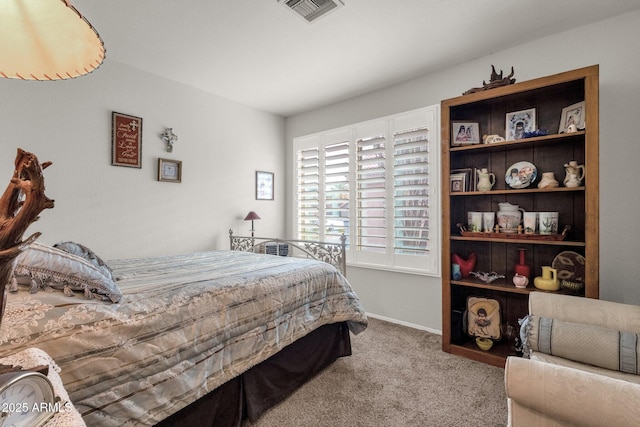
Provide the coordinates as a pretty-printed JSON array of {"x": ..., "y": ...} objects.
[{"x": 378, "y": 183}]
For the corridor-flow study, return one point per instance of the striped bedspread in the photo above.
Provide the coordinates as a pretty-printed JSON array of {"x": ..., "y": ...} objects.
[{"x": 185, "y": 325}]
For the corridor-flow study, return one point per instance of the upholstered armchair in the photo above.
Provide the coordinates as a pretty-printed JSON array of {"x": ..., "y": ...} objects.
[{"x": 580, "y": 366}]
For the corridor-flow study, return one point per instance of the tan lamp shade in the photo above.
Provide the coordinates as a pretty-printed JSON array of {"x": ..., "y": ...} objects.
[{"x": 46, "y": 40}]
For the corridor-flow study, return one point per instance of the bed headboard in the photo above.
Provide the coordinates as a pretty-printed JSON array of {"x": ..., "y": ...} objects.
[{"x": 331, "y": 253}]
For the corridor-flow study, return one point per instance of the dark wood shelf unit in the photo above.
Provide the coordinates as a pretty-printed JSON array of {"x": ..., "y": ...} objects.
[{"x": 578, "y": 207}]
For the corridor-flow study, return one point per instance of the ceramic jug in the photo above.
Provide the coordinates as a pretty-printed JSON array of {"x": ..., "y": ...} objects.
[
  {"x": 486, "y": 180},
  {"x": 573, "y": 168},
  {"x": 509, "y": 217},
  {"x": 549, "y": 279}
]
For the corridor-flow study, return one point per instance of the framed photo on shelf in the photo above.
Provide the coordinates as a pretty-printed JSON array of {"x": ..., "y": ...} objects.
[
  {"x": 468, "y": 177},
  {"x": 169, "y": 170},
  {"x": 520, "y": 122},
  {"x": 572, "y": 115},
  {"x": 264, "y": 185},
  {"x": 126, "y": 140},
  {"x": 465, "y": 133},
  {"x": 457, "y": 183}
]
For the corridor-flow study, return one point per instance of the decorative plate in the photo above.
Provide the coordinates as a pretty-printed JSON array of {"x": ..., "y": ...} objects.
[
  {"x": 521, "y": 175},
  {"x": 570, "y": 266}
]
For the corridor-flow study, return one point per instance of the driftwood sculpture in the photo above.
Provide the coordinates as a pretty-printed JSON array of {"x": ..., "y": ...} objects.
[
  {"x": 496, "y": 81},
  {"x": 20, "y": 205}
]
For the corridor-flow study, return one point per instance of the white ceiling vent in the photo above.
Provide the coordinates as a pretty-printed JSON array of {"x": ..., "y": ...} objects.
[{"x": 311, "y": 10}]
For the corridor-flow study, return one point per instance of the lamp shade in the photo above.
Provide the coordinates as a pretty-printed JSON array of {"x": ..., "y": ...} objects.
[
  {"x": 46, "y": 40},
  {"x": 251, "y": 216}
]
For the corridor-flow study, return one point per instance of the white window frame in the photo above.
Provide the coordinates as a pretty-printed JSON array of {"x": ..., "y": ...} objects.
[{"x": 428, "y": 117}]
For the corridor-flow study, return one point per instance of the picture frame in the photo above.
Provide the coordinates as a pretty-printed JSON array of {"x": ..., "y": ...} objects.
[
  {"x": 468, "y": 177},
  {"x": 457, "y": 183},
  {"x": 126, "y": 140},
  {"x": 520, "y": 122},
  {"x": 169, "y": 170},
  {"x": 465, "y": 133},
  {"x": 573, "y": 114},
  {"x": 264, "y": 185}
]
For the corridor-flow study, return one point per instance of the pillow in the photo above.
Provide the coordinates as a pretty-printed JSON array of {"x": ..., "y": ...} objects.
[
  {"x": 594, "y": 345},
  {"x": 48, "y": 266},
  {"x": 86, "y": 253}
]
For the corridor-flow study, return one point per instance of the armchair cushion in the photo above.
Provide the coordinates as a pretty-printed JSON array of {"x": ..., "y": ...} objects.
[{"x": 595, "y": 345}]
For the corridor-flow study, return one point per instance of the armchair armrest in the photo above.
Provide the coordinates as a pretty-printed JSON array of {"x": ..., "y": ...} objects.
[{"x": 551, "y": 395}]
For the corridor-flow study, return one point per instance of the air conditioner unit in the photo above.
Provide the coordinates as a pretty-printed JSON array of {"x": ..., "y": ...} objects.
[{"x": 310, "y": 10}]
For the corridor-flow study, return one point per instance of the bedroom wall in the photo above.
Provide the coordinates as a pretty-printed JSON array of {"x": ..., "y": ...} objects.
[
  {"x": 125, "y": 212},
  {"x": 417, "y": 299}
]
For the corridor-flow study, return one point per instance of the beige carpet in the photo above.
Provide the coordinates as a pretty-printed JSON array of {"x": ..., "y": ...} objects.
[{"x": 397, "y": 376}]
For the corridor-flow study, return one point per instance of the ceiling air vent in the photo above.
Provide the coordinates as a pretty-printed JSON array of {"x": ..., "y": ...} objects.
[{"x": 311, "y": 10}]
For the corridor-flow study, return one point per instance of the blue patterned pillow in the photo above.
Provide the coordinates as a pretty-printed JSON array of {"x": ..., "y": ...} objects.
[{"x": 48, "y": 267}]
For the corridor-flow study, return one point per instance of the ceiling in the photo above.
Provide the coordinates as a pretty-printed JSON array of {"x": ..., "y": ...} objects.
[{"x": 259, "y": 53}]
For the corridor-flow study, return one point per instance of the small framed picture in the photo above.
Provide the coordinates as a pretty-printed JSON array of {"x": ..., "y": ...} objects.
[
  {"x": 126, "y": 140},
  {"x": 520, "y": 122},
  {"x": 468, "y": 181},
  {"x": 465, "y": 133},
  {"x": 572, "y": 115},
  {"x": 264, "y": 185},
  {"x": 169, "y": 170},
  {"x": 458, "y": 183}
]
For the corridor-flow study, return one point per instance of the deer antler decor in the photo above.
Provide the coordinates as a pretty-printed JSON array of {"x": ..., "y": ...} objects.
[{"x": 20, "y": 205}]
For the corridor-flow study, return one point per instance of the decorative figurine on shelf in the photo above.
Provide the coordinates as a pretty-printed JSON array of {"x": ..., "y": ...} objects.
[
  {"x": 487, "y": 277},
  {"x": 466, "y": 265},
  {"x": 496, "y": 81},
  {"x": 548, "y": 180},
  {"x": 492, "y": 139},
  {"x": 574, "y": 174},
  {"x": 486, "y": 180},
  {"x": 520, "y": 281}
]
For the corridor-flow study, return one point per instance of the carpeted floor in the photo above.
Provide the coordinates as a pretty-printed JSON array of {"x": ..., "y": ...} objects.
[{"x": 397, "y": 376}]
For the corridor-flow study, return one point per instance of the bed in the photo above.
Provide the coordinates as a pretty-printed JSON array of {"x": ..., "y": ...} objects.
[{"x": 206, "y": 338}]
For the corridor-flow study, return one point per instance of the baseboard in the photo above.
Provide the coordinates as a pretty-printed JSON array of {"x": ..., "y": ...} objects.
[{"x": 403, "y": 323}]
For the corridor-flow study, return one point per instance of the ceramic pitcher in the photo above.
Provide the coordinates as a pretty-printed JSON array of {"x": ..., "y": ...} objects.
[
  {"x": 486, "y": 180},
  {"x": 509, "y": 217},
  {"x": 549, "y": 279},
  {"x": 573, "y": 168}
]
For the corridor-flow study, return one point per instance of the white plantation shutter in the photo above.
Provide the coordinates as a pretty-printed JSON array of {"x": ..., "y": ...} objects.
[
  {"x": 370, "y": 194},
  {"x": 378, "y": 183},
  {"x": 336, "y": 191},
  {"x": 411, "y": 191},
  {"x": 308, "y": 218}
]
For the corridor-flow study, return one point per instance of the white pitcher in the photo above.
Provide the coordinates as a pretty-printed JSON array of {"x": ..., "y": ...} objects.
[
  {"x": 486, "y": 180},
  {"x": 509, "y": 217}
]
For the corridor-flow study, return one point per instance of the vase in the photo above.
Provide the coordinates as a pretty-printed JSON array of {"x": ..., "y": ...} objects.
[
  {"x": 486, "y": 180},
  {"x": 522, "y": 268},
  {"x": 549, "y": 279},
  {"x": 548, "y": 181},
  {"x": 573, "y": 168},
  {"x": 455, "y": 272}
]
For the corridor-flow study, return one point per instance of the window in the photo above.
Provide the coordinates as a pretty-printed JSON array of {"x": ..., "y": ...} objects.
[{"x": 378, "y": 183}]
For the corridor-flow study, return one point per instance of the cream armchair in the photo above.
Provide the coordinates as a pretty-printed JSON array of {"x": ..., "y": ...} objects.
[{"x": 583, "y": 364}]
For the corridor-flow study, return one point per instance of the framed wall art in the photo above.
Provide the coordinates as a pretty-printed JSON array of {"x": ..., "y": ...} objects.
[
  {"x": 126, "y": 140},
  {"x": 572, "y": 115},
  {"x": 520, "y": 122},
  {"x": 264, "y": 185},
  {"x": 169, "y": 170},
  {"x": 465, "y": 133}
]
